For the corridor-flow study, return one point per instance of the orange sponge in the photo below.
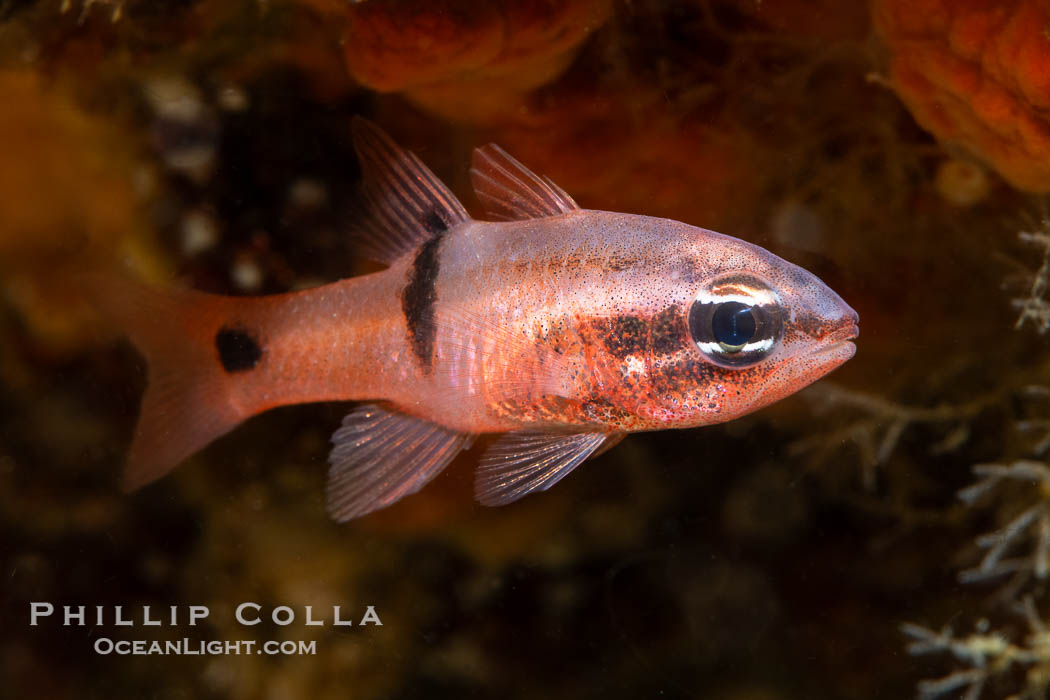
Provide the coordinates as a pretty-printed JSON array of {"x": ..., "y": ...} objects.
[
  {"x": 976, "y": 73},
  {"x": 447, "y": 55}
]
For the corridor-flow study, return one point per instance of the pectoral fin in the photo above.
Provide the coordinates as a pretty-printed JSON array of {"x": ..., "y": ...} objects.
[
  {"x": 380, "y": 456},
  {"x": 521, "y": 463}
]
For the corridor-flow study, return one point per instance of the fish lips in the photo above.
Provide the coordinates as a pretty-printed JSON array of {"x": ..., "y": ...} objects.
[{"x": 838, "y": 345}]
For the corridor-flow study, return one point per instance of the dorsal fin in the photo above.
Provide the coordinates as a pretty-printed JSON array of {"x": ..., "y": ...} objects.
[
  {"x": 404, "y": 204},
  {"x": 510, "y": 191}
]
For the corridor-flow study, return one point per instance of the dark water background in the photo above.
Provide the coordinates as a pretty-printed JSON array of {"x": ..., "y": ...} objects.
[{"x": 772, "y": 558}]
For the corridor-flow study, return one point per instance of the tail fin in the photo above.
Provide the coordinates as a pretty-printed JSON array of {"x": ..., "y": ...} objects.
[{"x": 187, "y": 402}]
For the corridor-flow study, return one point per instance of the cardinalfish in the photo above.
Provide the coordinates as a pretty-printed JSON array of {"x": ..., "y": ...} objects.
[{"x": 562, "y": 328}]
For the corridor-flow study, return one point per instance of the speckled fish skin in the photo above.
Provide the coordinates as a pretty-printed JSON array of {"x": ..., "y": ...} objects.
[
  {"x": 576, "y": 320},
  {"x": 584, "y": 318},
  {"x": 601, "y": 301},
  {"x": 565, "y": 329}
]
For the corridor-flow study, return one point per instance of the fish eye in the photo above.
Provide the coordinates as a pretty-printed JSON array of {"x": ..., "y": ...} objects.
[
  {"x": 733, "y": 325},
  {"x": 736, "y": 324}
]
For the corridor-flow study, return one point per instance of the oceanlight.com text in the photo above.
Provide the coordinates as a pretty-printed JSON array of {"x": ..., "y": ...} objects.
[{"x": 197, "y": 647}]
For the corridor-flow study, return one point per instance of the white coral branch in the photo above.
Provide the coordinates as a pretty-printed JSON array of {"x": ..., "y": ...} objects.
[
  {"x": 1034, "y": 307},
  {"x": 986, "y": 655},
  {"x": 1027, "y": 533}
]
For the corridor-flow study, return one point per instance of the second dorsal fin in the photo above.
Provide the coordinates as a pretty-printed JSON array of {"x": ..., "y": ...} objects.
[
  {"x": 404, "y": 204},
  {"x": 508, "y": 190}
]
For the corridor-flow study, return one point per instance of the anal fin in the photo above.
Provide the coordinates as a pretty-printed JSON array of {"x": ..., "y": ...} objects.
[
  {"x": 380, "y": 456},
  {"x": 524, "y": 462}
]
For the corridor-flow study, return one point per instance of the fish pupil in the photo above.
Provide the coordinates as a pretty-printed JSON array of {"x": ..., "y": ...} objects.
[{"x": 733, "y": 324}]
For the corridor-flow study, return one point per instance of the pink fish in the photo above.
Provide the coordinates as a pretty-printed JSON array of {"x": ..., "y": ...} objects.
[{"x": 562, "y": 328}]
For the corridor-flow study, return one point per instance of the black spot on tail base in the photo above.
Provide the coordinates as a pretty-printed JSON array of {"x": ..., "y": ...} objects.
[
  {"x": 418, "y": 299},
  {"x": 239, "y": 351}
]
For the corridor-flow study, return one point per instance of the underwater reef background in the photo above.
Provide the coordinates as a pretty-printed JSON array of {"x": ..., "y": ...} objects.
[{"x": 884, "y": 534}]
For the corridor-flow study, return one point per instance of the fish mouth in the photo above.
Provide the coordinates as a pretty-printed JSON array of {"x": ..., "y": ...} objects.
[
  {"x": 844, "y": 334},
  {"x": 839, "y": 341}
]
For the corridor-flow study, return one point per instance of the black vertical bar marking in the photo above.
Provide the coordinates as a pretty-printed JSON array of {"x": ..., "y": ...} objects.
[
  {"x": 418, "y": 299},
  {"x": 434, "y": 224}
]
